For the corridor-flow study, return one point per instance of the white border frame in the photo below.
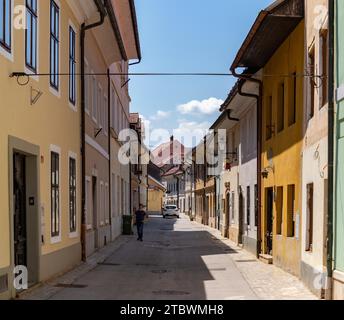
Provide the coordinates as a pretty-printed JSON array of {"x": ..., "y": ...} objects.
[
  {"x": 56, "y": 239},
  {"x": 94, "y": 96}
]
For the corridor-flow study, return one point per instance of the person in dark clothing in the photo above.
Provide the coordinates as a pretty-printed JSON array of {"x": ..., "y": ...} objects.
[{"x": 140, "y": 217}]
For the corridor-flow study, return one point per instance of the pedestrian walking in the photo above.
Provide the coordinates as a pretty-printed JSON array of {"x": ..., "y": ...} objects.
[{"x": 140, "y": 216}]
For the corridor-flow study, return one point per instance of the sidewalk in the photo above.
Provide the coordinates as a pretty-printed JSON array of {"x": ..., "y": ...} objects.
[
  {"x": 267, "y": 281},
  {"x": 48, "y": 289}
]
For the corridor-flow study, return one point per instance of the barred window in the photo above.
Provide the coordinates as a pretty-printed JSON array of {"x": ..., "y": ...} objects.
[
  {"x": 55, "y": 194},
  {"x": 72, "y": 194}
]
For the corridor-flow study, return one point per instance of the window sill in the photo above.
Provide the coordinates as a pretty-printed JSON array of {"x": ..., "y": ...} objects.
[
  {"x": 73, "y": 235},
  {"x": 55, "y": 92},
  {"x": 55, "y": 240}
]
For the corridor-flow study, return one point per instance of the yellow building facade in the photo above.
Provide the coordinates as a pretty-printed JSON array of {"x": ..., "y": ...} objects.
[
  {"x": 40, "y": 145},
  {"x": 156, "y": 193},
  {"x": 281, "y": 152}
]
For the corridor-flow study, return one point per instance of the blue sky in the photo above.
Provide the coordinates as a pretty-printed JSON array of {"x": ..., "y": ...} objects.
[{"x": 187, "y": 36}]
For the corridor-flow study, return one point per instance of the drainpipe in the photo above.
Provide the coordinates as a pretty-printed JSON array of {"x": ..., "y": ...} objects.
[
  {"x": 259, "y": 99},
  {"x": 331, "y": 81},
  {"x": 83, "y": 30},
  {"x": 109, "y": 148}
]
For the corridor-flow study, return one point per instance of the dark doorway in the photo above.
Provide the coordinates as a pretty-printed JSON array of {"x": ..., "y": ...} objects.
[
  {"x": 269, "y": 221},
  {"x": 19, "y": 200},
  {"x": 227, "y": 215},
  {"x": 95, "y": 211}
]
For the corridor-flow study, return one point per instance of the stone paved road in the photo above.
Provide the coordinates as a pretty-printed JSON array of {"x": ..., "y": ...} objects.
[{"x": 180, "y": 260}]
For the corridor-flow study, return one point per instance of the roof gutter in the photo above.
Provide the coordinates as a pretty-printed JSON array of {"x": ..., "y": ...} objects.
[
  {"x": 115, "y": 28},
  {"x": 136, "y": 31}
]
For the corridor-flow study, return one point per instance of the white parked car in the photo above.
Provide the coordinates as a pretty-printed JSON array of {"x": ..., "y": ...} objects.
[{"x": 171, "y": 210}]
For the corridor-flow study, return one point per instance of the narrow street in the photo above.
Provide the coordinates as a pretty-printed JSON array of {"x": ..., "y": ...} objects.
[{"x": 178, "y": 259}]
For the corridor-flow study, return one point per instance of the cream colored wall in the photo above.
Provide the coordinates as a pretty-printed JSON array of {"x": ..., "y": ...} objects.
[
  {"x": 315, "y": 141},
  {"x": 49, "y": 121}
]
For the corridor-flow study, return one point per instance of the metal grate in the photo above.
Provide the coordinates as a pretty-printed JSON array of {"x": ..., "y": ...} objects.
[
  {"x": 110, "y": 264},
  {"x": 3, "y": 283},
  {"x": 70, "y": 286},
  {"x": 243, "y": 261},
  {"x": 171, "y": 293}
]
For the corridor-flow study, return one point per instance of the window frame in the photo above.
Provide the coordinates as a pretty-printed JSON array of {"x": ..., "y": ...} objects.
[
  {"x": 72, "y": 90},
  {"x": 34, "y": 18},
  {"x": 54, "y": 76},
  {"x": 7, "y": 46},
  {"x": 72, "y": 193},
  {"x": 55, "y": 193}
]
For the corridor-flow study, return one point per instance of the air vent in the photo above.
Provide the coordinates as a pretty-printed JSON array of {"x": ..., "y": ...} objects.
[{"x": 3, "y": 283}]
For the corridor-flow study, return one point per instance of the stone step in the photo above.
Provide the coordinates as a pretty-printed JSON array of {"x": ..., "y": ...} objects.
[{"x": 266, "y": 258}]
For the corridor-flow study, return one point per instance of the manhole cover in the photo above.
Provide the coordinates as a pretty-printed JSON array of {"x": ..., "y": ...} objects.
[
  {"x": 245, "y": 261},
  {"x": 171, "y": 293},
  {"x": 159, "y": 271},
  {"x": 108, "y": 264},
  {"x": 70, "y": 286}
]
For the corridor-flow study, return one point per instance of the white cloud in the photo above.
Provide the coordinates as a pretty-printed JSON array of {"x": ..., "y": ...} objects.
[
  {"x": 207, "y": 107},
  {"x": 160, "y": 115},
  {"x": 190, "y": 133}
]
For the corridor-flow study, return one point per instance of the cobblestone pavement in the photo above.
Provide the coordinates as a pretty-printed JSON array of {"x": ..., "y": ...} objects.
[
  {"x": 267, "y": 281},
  {"x": 178, "y": 260}
]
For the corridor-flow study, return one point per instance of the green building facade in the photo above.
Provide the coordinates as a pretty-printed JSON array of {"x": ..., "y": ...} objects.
[{"x": 338, "y": 285}]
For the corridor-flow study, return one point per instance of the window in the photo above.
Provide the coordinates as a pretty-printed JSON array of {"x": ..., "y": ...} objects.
[
  {"x": 113, "y": 194},
  {"x": 102, "y": 203},
  {"x": 291, "y": 212},
  {"x": 311, "y": 81},
  {"x": 256, "y": 199},
  {"x": 107, "y": 213},
  {"x": 72, "y": 66},
  {"x": 6, "y": 24},
  {"x": 324, "y": 66},
  {"x": 72, "y": 195},
  {"x": 100, "y": 107},
  {"x": 105, "y": 115},
  {"x": 279, "y": 210},
  {"x": 94, "y": 98},
  {"x": 31, "y": 35},
  {"x": 54, "y": 44},
  {"x": 310, "y": 207},
  {"x": 55, "y": 194},
  {"x": 248, "y": 206},
  {"x": 232, "y": 205},
  {"x": 280, "y": 107},
  {"x": 293, "y": 100},
  {"x": 269, "y": 125},
  {"x": 113, "y": 109},
  {"x": 88, "y": 91}
]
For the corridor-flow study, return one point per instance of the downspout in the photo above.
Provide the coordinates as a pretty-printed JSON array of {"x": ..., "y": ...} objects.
[
  {"x": 83, "y": 30},
  {"x": 259, "y": 99},
  {"x": 331, "y": 80},
  {"x": 109, "y": 148}
]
